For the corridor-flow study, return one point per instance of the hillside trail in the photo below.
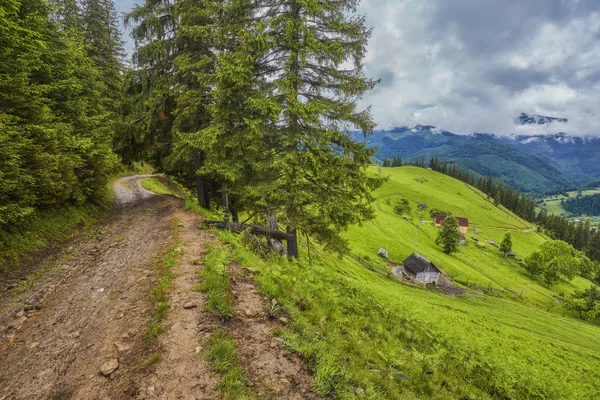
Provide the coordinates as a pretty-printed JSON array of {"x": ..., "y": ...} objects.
[{"x": 90, "y": 307}]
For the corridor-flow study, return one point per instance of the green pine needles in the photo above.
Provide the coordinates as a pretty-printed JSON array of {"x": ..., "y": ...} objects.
[
  {"x": 56, "y": 128},
  {"x": 257, "y": 108},
  {"x": 449, "y": 236}
]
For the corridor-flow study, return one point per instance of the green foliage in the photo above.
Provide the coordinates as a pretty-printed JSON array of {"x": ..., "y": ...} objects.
[
  {"x": 449, "y": 236},
  {"x": 402, "y": 207},
  {"x": 589, "y": 205},
  {"x": 258, "y": 106},
  {"x": 586, "y": 304},
  {"x": 152, "y": 359},
  {"x": 222, "y": 355},
  {"x": 148, "y": 89},
  {"x": 554, "y": 260},
  {"x": 102, "y": 37},
  {"x": 159, "y": 292},
  {"x": 506, "y": 245},
  {"x": 157, "y": 186},
  {"x": 594, "y": 252},
  {"x": 55, "y": 137},
  {"x": 436, "y": 211},
  {"x": 534, "y": 264}
]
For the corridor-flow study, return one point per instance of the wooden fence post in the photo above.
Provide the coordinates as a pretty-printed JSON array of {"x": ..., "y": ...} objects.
[{"x": 292, "y": 244}]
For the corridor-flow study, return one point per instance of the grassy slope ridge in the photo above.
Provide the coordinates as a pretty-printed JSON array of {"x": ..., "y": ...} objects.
[{"x": 368, "y": 336}]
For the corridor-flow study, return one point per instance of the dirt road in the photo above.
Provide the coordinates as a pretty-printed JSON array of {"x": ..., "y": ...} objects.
[{"x": 75, "y": 329}]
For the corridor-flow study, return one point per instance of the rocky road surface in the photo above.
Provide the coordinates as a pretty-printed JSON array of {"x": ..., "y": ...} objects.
[{"x": 74, "y": 328}]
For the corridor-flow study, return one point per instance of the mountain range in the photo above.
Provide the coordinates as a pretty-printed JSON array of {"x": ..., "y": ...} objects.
[{"x": 535, "y": 164}]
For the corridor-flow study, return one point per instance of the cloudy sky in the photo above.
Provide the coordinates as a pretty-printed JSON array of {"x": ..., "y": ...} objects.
[{"x": 474, "y": 65}]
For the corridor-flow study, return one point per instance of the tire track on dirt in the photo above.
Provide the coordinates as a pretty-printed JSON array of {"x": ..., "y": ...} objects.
[{"x": 273, "y": 370}]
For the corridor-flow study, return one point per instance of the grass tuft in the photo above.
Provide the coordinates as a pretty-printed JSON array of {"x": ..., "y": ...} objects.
[
  {"x": 222, "y": 355},
  {"x": 152, "y": 359},
  {"x": 216, "y": 282},
  {"x": 155, "y": 185},
  {"x": 159, "y": 293}
]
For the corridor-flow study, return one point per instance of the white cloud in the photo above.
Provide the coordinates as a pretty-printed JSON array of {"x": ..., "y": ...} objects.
[{"x": 474, "y": 65}]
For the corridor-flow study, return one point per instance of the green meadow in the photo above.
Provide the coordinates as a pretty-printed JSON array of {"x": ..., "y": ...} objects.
[
  {"x": 366, "y": 335},
  {"x": 479, "y": 264}
]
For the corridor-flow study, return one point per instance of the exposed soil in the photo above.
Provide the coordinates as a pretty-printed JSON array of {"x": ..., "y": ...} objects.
[
  {"x": 86, "y": 309},
  {"x": 182, "y": 372},
  {"x": 57, "y": 335}
]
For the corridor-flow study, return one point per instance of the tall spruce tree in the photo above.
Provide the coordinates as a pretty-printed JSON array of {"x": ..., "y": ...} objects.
[
  {"x": 317, "y": 181},
  {"x": 104, "y": 45},
  {"x": 230, "y": 138},
  {"x": 53, "y": 138},
  {"x": 149, "y": 88}
]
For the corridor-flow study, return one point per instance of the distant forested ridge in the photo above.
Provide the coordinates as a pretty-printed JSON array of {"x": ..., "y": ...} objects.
[
  {"x": 60, "y": 83},
  {"x": 541, "y": 164},
  {"x": 589, "y": 205}
]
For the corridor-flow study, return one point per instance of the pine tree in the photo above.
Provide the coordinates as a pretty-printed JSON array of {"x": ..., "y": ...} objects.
[
  {"x": 498, "y": 198},
  {"x": 449, "y": 236},
  {"x": 318, "y": 181},
  {"x": 594, "y": 251},
  {"x": 104, "y": 45},
  {"x": 235, "y": 141},
  {"x": 506, "y": 245},
  {"x": 149, "y": 87},
  {"x": 55, "y": 147}
]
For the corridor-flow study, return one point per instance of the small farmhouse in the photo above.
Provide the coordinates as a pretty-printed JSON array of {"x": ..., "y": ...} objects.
[
  {"x": 421, "y": 269},
  {"x": 463, "y": 223}
]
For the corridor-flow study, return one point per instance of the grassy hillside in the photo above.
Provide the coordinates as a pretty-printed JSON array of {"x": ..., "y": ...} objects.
[
  {"x": 365, "y": 335},
  {"x": 368, "y": 336},
  {"x": 483, "y": 266}
]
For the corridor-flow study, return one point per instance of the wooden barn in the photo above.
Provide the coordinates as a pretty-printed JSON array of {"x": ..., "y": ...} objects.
[{"x": 421, "y": 269}]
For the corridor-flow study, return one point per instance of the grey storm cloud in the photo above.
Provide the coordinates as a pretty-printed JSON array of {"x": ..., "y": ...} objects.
[
  {"x": 483, "y": 62},
  {"x": 474, "y": 65}
]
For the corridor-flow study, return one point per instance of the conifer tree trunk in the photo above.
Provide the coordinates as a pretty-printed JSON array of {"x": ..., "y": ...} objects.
[
  {"x": 201, "y": 189},
  {"x": 225, "y": 201}
]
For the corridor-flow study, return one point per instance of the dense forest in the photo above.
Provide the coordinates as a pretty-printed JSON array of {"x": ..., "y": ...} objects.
[
  {"x": 249, "y": 103},
  {"x": 589, "y": 205},
  {"x": 60, "y": 89}
]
